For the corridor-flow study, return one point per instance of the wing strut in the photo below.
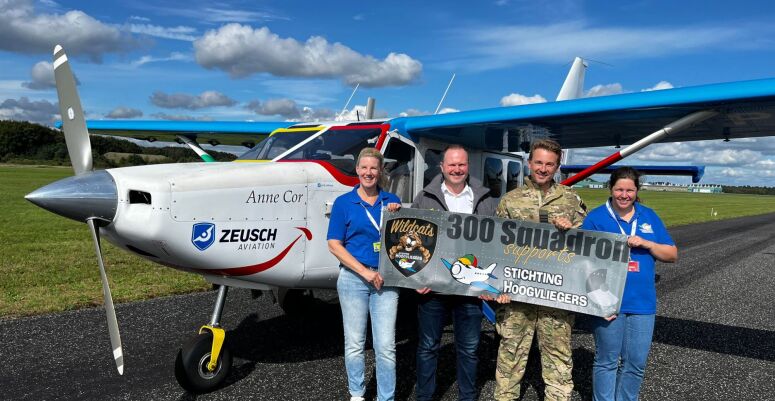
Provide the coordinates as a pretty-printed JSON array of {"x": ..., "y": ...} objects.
[
  {"x": 674, "y": 127},
  {"x": 195, "y": 147}
]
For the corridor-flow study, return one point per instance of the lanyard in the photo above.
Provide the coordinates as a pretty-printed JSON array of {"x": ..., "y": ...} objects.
[
  {"x": 371, "y": 218},
  {"x": 613, "y": 216}
]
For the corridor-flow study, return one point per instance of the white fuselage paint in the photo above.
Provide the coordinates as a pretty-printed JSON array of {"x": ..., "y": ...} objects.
[{"x": 251, "y": 213}]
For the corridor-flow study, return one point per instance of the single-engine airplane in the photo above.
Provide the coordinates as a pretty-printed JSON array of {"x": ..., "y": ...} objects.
[{"x": 262, "y": 225}]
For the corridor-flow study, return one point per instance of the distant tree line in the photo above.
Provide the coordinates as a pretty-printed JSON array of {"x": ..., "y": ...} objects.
[
  {"x": 28, "y": 143},
  {"x": 731, "y": 189}
]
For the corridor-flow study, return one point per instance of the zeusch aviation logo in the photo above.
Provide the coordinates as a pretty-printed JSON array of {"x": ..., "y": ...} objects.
[{"x": 203, "y": 235}]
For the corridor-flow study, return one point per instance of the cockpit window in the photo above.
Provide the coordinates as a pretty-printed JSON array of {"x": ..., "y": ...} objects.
[
  {"x": 339, "y": 147},
  {"x": 276, "y": 144}
]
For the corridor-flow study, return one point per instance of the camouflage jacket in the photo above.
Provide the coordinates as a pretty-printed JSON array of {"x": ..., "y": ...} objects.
[{"x": 528, "y": 202}]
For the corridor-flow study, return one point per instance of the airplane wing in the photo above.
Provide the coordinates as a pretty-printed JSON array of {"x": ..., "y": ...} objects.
[
  {"x": 740, "y": 109},
  {"x": 245, "y": 133},
  {"x": 696, "y": 172}
]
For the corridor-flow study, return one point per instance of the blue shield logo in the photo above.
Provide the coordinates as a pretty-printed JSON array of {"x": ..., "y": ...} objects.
[{"x": 203, "y": 235}]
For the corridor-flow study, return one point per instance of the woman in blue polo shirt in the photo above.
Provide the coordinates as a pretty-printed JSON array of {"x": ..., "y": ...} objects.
[
  {"x": 627, "y": 337},
  {"x": 353, "y": 237}
]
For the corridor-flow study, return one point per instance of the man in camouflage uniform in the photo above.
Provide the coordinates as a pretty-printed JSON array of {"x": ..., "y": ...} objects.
[{"x": 539, "y": 200}]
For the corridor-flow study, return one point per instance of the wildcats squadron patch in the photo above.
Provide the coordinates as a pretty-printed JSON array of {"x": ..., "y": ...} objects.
[{"x": 410, "y": 244}]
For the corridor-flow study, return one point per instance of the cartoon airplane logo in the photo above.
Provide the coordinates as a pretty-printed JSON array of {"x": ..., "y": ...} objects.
[{"x": 466, "y": 270}]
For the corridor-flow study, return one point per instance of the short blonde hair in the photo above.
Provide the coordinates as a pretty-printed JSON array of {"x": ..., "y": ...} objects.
[{"x": 373, "y": 152}]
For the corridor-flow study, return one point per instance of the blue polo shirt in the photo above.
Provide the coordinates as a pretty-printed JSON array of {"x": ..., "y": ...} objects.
[
  {"x": 640, "y": 293},
  {"x": 350, "y": 224}
]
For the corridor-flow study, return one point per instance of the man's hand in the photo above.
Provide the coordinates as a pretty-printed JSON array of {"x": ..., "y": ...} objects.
[
  {"x": 423, "y": 290},
  {"x": 562, "y": 223}
]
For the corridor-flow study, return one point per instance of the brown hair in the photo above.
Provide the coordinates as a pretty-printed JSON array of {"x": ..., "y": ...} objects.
[
  {"x": 452, "y": 147},
  {"x": 373, "y": 152},
  {"x": 625, "y": 173},
  {"x": 546, "y": 144}
]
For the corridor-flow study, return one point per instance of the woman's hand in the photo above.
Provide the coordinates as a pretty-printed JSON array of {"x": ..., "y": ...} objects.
[
  {"x": 638, "y": 242},
  {"x": 373, "y": 278},
  {"x": 393, "y": 207}
]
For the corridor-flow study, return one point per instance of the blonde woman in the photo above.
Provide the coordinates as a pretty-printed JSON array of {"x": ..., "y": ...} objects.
[{"x": 354, "y": 238}]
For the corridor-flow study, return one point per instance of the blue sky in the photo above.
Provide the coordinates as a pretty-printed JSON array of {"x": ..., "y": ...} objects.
[{"x": 299, "y": 60}]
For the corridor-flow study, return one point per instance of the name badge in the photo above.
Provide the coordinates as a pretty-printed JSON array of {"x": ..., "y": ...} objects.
[
  {"x": 377, "y": 246},
  {"x": 633, "y": 266}
]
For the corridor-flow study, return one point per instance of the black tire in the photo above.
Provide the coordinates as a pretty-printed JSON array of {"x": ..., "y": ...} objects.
[{"x": 191, "y": 365}]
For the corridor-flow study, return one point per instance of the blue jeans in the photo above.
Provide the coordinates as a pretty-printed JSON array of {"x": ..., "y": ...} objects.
[
  {"x": 467, "y": 319},
  {"x": 628, "y": 337},
  {"x": 358, "y": 300}
]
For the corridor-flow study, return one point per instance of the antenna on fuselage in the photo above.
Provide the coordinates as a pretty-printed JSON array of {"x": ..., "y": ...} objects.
[
  {"x": 445, "y": 94},
  {"x": 348, "y": 100}
]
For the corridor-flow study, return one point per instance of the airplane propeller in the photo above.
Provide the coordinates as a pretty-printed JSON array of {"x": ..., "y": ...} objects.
[{"x": 79, "y": 148}]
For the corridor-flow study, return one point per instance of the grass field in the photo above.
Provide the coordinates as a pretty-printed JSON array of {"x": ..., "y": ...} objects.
[{"x": 49, "y": 265}]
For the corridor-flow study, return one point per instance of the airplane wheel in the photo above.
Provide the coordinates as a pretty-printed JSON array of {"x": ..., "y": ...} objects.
[{"x": 191, "y": 365}]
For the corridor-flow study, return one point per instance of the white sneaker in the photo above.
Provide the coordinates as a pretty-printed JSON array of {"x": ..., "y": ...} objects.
[{"x": 357, "y": 399}]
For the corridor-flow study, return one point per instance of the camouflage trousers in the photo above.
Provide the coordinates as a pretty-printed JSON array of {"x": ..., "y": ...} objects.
[{"x": 516, "y": 323}]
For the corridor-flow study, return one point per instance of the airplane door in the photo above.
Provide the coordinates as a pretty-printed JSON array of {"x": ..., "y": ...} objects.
[{"x": 502, "y": 172}]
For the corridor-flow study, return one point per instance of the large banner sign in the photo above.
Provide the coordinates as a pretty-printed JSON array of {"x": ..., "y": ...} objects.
[{"x": 577, "y": 270}]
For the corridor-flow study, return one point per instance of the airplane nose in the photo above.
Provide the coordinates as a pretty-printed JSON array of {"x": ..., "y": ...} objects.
[{"x": 84, "y": 196}]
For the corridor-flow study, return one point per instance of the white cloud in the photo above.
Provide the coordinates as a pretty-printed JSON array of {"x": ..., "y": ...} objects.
[
  {"x": 358, "y": 112},
  {"x": 515, "y": 99},
  {"x": 503, "y": 46},
  {"x": 180, "y": 117},
  {"x": 22, "y": 30},
  {"x": 241, "y": 51},
  {"x": 604, "y": 90},
  {"x": 42, "y": 76},
  {"x": 414, "y": 112},
  {"x": 190, "y": 102},
  {"x": 185, "y": 33},
  {"x": 217, "y": 15},
  {"x": 174, "y": 56},
  {"x": 447, "y": 110},
  {"x": 24, "y": 109},
  {"x": 732, "y": 172},
  {"x": 124, "y": 112},
  {"x": 659, "y": 86},
  {"x": 287, "y": 108}
]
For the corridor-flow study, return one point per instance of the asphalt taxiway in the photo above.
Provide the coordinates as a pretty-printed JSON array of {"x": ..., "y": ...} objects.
[{"x": 714, "y": 339}]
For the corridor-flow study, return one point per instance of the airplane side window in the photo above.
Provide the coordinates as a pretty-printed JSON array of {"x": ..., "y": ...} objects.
[
  {"x": 276, "y": 144},
  {"x": 338, "y": 147},
  {"x": 432, "y": 166},
  {"x": 512, "y": 178},
  {"x": 399, "y": 162},
  {"x": 493, "y": 176}
]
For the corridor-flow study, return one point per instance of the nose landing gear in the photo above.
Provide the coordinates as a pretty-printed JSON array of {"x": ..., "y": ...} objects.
[{"x": 203, "y": 363}]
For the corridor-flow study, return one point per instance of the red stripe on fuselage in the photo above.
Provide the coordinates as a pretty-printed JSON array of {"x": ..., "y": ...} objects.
[
  {"x": 258, "y": 268},
  {"x": 343, "y": 179}
]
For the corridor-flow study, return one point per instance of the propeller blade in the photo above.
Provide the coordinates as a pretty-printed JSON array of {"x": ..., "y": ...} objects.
[
  {"x": 73, "y": 122},
  {"x": 115, "y": 337}
]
